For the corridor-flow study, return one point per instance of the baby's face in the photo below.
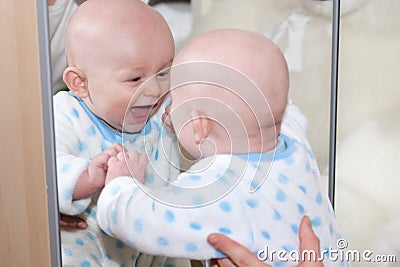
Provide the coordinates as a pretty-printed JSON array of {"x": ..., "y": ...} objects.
[{"x": 122, "y": 74}]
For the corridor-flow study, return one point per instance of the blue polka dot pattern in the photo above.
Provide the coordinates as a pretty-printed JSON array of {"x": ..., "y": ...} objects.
[
  {"x": 75, "y": 113},
  {"x": 149, "y": 178},
  {"x": 224, "y": 230},
  {"x": 331, "y": 229},
  {"x": 156, "y": 155},
  {"x": 195, "y": 177},
  {"x": 197, "y": 200},
  {"x": 94, "y": 257},
  {"x": 316, "y": 221},
  {"x": 265, "y": 234},
  {"x": 230, "y": 172},
  {"x": 80, "y": 208},
  {"x": 295, "y": 228},
  {"x": 119, "y": 244},
  {"x": 318, "y": 199},
  {"x": 85, "y": 264},
  {"x": 300, "y": 208},
  {"x": 277, "y": 216},
  {"x": 225, "y": 206},
  {"x": 81, "y": 146},
  {"x": 251, "y": 235},
  {"x": 91, "y": 131},
  {"x": 287, "y": 248},
  {"x": 252, "y": 203},
  {"x": 91, "y": 212},
  {"x": 191, "y": 247},
  {"x": 114, "y": 217},
  {"x": 289, "y": 160},
  {"x": 114, "y": 191},
  {"x": 66, "y": 167},
  {"x": 91, "y": 236},
  {"x": 79, "y": 242},
  {"x": 303, "y": 188},
  {"x": 278, "y": 264},
  {"x": 177, "y": 190},
  {"x": 281, "y": 196},
  {"x": 254, "y": 185},
  {"x": 222, "y": 179},
  {"x": 308, "y": 167},
  {"x": 195, "y": 226},
  {"x": 169, "y": 216},
  {"x": 67, "y": 251},
  {"x": 283, "y": 179},
  {"x": 138, "y": 226},
  {"x": 162, "y": 241},
  {"x": 67, "y": 194}
]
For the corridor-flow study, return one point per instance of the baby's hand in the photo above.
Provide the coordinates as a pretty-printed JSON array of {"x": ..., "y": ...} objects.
[
  {"x": 130, "y": 163},
  {"x": 167, "y": 119},
  {"x": 98, "y": 166}
]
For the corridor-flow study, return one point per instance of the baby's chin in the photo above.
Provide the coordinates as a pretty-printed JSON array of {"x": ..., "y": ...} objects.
[{"x": 131, "y": 128}]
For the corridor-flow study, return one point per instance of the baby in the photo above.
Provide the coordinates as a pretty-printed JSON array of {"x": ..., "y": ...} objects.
[
  {"x": 112, "y": 47},
  {"x": 255, "y": 176}
]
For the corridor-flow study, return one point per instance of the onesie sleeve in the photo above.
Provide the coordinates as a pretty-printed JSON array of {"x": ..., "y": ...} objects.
[
  {"x": 156, "y": 224},
  {"x": 69, "y": 165}
]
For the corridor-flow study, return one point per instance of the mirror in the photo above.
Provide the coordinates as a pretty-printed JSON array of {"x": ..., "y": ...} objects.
[{"x": 367, "y": 129}]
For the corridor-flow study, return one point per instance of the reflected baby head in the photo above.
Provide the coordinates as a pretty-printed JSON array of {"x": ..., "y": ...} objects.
[
  {"x": 112, "y": 48},
  {"x": 229, "y": 92}
]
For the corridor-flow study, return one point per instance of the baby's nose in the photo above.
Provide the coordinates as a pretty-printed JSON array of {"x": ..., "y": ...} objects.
[{"x": 152, "y": 89}]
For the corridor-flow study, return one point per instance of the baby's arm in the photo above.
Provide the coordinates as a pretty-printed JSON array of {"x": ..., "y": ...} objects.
[
  {"x": 93, "y": 178},
  {"x": 141, "y": 217},
  {"x": 131, "y": 163}
]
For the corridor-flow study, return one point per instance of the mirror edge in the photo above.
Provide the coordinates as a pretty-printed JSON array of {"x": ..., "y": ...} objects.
[{"x": 48, "y": 131}]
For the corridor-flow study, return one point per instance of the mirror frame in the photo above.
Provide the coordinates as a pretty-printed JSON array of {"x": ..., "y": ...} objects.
[{"x": 48, "y": 130}]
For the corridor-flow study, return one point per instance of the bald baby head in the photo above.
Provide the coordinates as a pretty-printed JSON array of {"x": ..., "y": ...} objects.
[{"x": 99, "y": 28}]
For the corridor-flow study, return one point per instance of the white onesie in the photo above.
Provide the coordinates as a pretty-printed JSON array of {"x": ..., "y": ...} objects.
[
  {"x": 80, "y": 135},
  {"x": 256, "y": 199}
]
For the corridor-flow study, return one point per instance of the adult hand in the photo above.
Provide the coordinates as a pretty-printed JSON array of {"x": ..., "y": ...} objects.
[
  {"x": 240, "y": 256},
  {"x": 72, "y": 222}
]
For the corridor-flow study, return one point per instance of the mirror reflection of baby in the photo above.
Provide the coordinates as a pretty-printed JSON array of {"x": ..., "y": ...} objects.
[
  {"x": 240, "y": 143},
  {"x": 112, "y": 47}
]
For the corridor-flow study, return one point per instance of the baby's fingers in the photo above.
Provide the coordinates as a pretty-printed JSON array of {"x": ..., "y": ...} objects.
[
  {"x": 114, "y": 149},
  {"x": 112, "y": 161}
]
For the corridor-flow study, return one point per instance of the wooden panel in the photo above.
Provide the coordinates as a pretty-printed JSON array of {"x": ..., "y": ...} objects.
[{"x": 24, "y": 234}]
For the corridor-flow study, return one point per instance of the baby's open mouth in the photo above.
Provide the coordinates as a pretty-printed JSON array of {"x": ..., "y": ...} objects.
[{"x": 141, "y": 113}]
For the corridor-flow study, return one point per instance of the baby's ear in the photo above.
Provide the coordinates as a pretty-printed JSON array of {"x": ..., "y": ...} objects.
[
  {"x": 75, "y": 80},
  {"x": 201, "y": 126}
]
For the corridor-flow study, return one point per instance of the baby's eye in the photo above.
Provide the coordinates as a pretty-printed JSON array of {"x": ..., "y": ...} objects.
[
  {"x": 163, "y": 74},
  {"x": 136, "y": 79}
]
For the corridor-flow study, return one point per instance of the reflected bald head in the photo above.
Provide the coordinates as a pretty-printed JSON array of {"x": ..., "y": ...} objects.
[{"x": 250, "y": 54}]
